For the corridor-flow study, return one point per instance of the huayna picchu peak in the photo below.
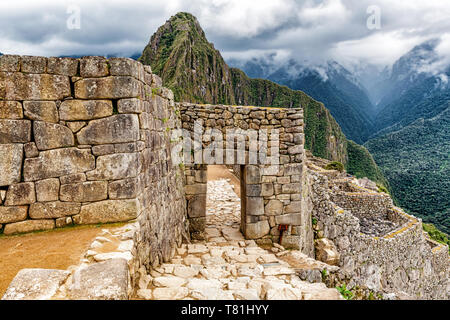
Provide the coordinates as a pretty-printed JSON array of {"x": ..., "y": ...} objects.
[{"x": 195, "y": 71}]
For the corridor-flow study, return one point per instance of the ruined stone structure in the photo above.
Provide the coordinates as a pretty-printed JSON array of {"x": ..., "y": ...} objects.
[
  {"x": 87, "y": 141},
  {"x": 271, "y": 195}
]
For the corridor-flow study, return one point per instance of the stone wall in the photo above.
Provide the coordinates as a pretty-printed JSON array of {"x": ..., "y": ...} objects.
[
  {"x": 400, "y": 263},
  {"x": 86, "y": 141},
  {"x": 271, "y": 196}
]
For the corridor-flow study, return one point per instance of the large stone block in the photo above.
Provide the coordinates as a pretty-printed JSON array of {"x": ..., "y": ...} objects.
[
  {"x": 108, "y": 211},
  {"x": 199, "y": 188},
  {"x": 252, "y": 174},
  {"x": 58, "y": 162},
  {"x": 255, "y": 206},
  {"x": 115, "y": 167},
  {"x": 47, "y": 190},
  {"x": 257, "y": 230},
  {"x": 116, "y": 87},
  {"x": 41, "y": 110},
  {"x": 115, "y": 129},
  {"x": 289, "y": 219},
  {"x": 62, "y": 66},
  {"x": 84, "y": 192},
  {"x": 71, "y": 110},
  {"x": 52, "y": 136},
  {"x": 35, "y": 284},
  {"x": 10, "y": 163},
  {"x": 293, "y": 207},
  {"x": 20, "y": 194},
  {"x": 124, "y": 67},
  {"x": 274, "y": 208},
  {"x": 10, "y": 63},
  {"x": 13, "y": 214},
  {"x": 130, "y": 106},
  {"x": 52, "y": 210},
  {"x": 11, "y": 110},
  {"x": 123, "y": 189},
  {"x": 326, "y": 252},
  {"x": 15, "y": 131},
  {"x": 33, "y": 64},
  {"x": 291, "y": 188},
  {"x": 28, "y": 226},
  {"x": 93, "y": 67},
  {"x": 101, "y": 281},
  {"x": 20, "y": 86},
  {"x": 197, "y": 206}
]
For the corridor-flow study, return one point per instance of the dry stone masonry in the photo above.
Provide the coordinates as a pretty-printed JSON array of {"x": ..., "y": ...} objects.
[
  {"x": 271, "y": 195},
  {"x": 88, "y": 141}
]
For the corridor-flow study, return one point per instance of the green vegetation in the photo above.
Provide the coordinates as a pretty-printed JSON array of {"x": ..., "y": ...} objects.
[
  {"x": 416, "y": 161},
  {"x": 361, "y": 164},
  {"x": 335, "y": 165},
  {"x": 347, "y": 294},
  {"x": 435, "y": 234}
]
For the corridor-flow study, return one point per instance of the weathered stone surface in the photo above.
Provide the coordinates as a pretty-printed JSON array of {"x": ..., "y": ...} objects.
[
  {"x": 130, "y": 106},
  {"x": 9, "y": 62},
  {"x": 123, "y": 189},
  {"x": 108, "y": 88},
  {"x": 13, "y": 214},
  {"x": 55, "y": 209},
  {"x": 291, "y": 188},
  {"x": 196, "y": 189},
  {"x": 196, "y": 205},
  {"x": 289, "y": 219},
  {"x": 109, "y": 211},
  {"x": 11, "y": 110},
  {"x": 52, "y": 136},
  {"x": 63, "y": 222},
  {"x": 115, "y": 129},
  {"x": 71, "y": 110},
  {"x": 84, "y": 192},
  {"x": 28, "y": 226},
  {"x": 124, "y": 67},
  {"x": 62, "y": 66},
  {"x": 15, "y": 131},
  {"x": 47, "y": 190},
  {"x": 10, "y": 163},
  {"x": 76, "y": 126},
  {"x": 169, "y": 282},
  {"x": 326, "y": 252},
  {"x": 93, "y": 67},
  {"x": 257, "y": 230},
  {"x": 274, "y": 207},
  {"x": 41, "y": 110},
  {"x": 255, "y": 206},
  {"x": 31, "y": 151},
  {"x": 35, "y": 284},
  {"x": 101, "y": 281},
  {"x": 33, "y": 64},
  {"x": 170, "y": 293},
  {"x": 20, "y": 194},
  {"x": 22, "y": 86},
  {"x": 59, "y": 162},
  {"x": 73, "y": 178},
  {"x": 115, "y": 166},
  {"x": 253, "y": 174},
  {"x": 103, "y": 149},
  {"x": 294, "y": 207}
]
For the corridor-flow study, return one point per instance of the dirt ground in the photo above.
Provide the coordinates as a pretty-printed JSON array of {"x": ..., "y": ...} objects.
[
  {"x": 57, "y": 249},
  {"x": 216, "y": 172},
  {"x": 61, "y": 248}
]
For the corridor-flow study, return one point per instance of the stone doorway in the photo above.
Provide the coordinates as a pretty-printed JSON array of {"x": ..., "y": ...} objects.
[{"x": 223, "y": 205}]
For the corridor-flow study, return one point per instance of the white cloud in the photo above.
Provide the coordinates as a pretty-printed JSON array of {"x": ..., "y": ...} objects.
[{"x": 310, "y": 30}]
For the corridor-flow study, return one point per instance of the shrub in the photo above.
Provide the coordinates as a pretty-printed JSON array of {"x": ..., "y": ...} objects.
[{"x": 335, "y": 165}]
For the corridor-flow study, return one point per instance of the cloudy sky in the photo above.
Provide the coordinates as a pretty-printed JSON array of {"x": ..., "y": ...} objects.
[{"x": 312, "y": 30}]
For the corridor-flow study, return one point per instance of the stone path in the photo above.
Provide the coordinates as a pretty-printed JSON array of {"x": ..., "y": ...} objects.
[{"x": 228, "y": 267}]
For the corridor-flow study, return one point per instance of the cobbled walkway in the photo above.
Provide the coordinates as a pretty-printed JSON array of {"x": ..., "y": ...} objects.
[{"x": 226, "y": 266}]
